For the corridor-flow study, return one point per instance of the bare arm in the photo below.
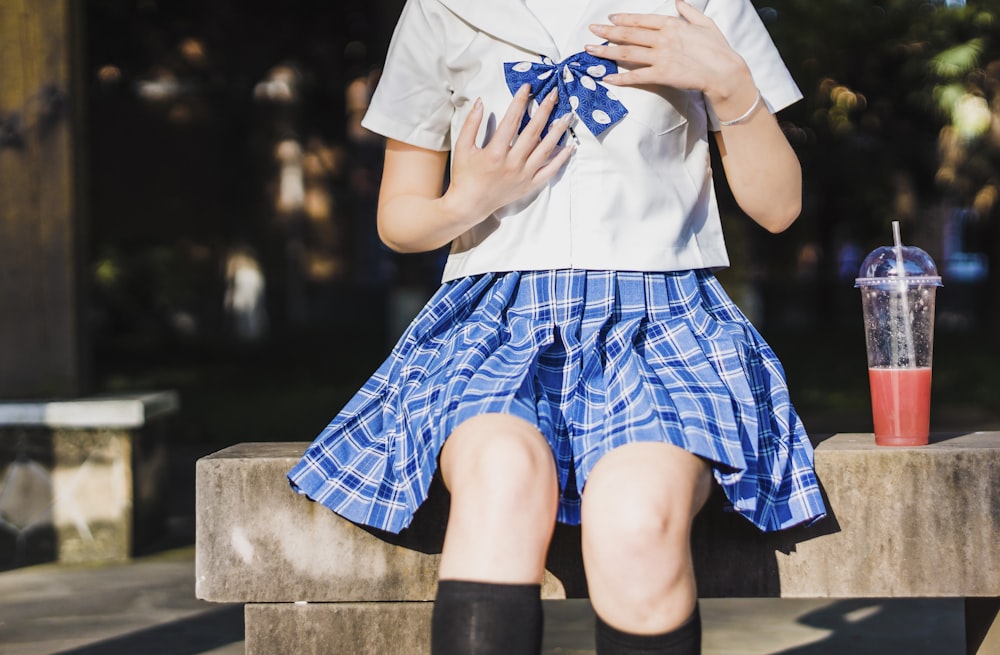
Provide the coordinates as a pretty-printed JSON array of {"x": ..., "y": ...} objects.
[
  {"x": 689, "y": 52},
  {"x": 761, "y": 167},
  {"x": 413, "y": 213},
  {"x": 410, "y": 216}
]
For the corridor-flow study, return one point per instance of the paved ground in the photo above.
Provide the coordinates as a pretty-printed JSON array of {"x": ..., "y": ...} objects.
[{"x": 147, "y": 607}]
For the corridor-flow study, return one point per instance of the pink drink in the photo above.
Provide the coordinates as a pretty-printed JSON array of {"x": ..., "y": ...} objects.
[{"x": 901, "y": 404}]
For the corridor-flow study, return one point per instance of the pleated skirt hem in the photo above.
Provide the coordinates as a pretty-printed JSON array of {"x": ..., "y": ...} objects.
[{"x": 595, "y": 359}]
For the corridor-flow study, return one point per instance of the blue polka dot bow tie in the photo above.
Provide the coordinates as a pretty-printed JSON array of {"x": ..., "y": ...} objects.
[{"x": 576, "y": 78}]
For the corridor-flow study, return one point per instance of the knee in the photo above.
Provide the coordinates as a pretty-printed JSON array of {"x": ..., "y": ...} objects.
[
  {"x": 500, "y": 461},
  {"x": 635, "y": 526},
  {"x": 638, "y": 507}
]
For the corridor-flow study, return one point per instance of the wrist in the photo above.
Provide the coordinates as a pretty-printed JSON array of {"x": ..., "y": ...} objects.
[
  {"x": 459, "y": 210},
  {"x": 733, "y": 91}
]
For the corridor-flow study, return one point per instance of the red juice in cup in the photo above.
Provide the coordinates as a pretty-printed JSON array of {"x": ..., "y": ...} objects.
[
  {"x": 901, "y": 401},
  {"x": 898, "y": 285}
]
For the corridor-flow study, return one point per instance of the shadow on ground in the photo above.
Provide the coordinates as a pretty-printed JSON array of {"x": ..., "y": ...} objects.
[
  {"x": 858, "y": 626},
  {"x": 188, "y": 636}
]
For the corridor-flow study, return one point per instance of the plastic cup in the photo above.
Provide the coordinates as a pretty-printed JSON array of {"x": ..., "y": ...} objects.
[{"x": 898, "y": 285}]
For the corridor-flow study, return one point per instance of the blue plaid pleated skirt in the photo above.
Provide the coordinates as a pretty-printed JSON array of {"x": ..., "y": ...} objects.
[{"x": 595, "y": 359}]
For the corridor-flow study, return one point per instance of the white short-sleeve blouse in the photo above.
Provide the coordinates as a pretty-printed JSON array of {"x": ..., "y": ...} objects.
[{"x": 638, "y": 197}]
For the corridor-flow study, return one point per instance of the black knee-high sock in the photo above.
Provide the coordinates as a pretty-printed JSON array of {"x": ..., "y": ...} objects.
[
  {"x": 683, "y": 640},
  {"x": 478, "y": 618}
]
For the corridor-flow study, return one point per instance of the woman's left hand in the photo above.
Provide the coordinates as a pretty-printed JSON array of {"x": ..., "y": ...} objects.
[
  {"x": 690, "y": 52},
  {"x": 687, "y": 51}
]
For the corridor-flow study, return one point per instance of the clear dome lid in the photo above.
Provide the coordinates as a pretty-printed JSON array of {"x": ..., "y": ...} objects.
[{"x": 889, "y": 264}]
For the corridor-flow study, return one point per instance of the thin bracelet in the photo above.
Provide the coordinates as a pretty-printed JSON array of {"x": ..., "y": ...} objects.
[{"x": 748, "y": 114}]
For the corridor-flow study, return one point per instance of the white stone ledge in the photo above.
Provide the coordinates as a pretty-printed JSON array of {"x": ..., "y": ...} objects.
[{"x": 124, "y": 410}]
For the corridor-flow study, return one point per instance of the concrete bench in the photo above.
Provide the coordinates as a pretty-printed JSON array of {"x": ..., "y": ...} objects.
[
  {"x": 83, "y": 480},
  {"x": 904, "y": 522}
]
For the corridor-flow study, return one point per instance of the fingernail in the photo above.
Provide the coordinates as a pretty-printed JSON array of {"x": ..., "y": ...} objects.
[
  {"x": 525, "y": 88},
  {"x": 613, "y": 17},
  {"x": 478, "y": 104},
  {"x": 597, "y": 28}
]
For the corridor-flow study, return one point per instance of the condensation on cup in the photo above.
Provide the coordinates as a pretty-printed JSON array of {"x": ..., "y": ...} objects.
[{"x": 898, "y": 285}]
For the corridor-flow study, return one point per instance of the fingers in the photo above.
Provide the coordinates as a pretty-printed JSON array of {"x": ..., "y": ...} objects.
[
  {"x": 635, "y": 77},
  {"x": 511, "y": 121},
  {"x": 507, "y": 168},
  {"x": 467, "y": 135},
  {"x": 637, "y": 58},
  {"x": 630, "y": 54},
  {"x": 645, "y": 29},
  {"x": 642, "y": 32},
  {"x": 657, "y": 21},
  {"x": 643, "y": 21},
  {"x": 528, "y": 138},
  {"x": 553, "y": 165},
  {"x": 691, "y": 14},
  {"x": 542, "y": 151},
  {"x": 509, "y": 124}
]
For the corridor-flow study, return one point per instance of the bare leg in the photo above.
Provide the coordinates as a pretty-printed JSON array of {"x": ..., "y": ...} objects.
[
  {"x": 638, "y": 505},
  {"x": 504, "y": 496}
]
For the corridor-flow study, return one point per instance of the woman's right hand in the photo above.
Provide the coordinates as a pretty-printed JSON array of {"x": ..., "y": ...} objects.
[
  {"x": 413, "y": 215},
  {"x": 510, "y": 165}
]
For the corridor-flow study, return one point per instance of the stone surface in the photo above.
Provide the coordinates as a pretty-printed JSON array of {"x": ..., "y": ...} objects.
[
  {"x": 904, "y": 522},
  {"x": 131, "y": 410},
  {"x": 258, "y": 541},
  {"x": 146, "y": 606},
  {"x": 75, "y": 494},
  {"x": 326, "y": 628},
  {"x": 143, "y": 606}
]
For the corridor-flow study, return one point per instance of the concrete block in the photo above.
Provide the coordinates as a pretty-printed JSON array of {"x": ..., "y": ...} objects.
[
  {"x": 904, "y": 522},
  {"x": 258, "y": 541},
  {"x": 72, "y": 492},
  {"x": 338, "y": 628},
  {"x": 127, "y": 410}
]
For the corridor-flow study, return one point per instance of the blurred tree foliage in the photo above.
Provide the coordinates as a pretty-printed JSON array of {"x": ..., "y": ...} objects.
[
  {"x": 220, "y": 130},
  {"x": 900, "y": 120}
]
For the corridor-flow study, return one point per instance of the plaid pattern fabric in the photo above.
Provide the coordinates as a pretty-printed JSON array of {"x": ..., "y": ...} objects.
[{"x": 596, "y": 359}]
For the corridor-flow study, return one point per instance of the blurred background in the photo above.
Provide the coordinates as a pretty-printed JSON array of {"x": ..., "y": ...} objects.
[{"x": 224, "y": 221}]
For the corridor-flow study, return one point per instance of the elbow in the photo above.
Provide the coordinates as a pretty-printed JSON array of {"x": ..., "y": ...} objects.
[
  {"x": 783, "y": 217},
  {"x": 774, "y": 209},
  {"x": 780, "y": 211},
  {"x": 389, "y": 233},
  {"x": 391, "y": 242}
]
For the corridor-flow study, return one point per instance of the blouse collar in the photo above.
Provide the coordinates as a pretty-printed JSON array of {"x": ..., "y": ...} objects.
[{"x": 513, "y": 22}]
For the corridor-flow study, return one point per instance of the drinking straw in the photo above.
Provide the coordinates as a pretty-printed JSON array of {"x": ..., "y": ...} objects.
[{"x": 911, "y": 358}]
